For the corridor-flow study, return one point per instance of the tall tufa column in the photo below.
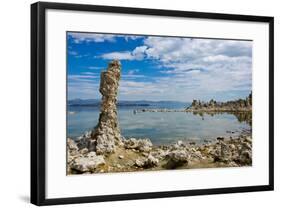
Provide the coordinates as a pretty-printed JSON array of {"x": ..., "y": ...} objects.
[{"x": 106, "y": 134}]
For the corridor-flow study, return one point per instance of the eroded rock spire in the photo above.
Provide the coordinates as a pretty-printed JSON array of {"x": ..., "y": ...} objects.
[{"x": 106, "y": 134}]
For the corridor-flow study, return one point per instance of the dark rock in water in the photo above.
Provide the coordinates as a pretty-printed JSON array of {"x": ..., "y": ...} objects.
[
  {"x": 106, "y": 134},
  {"x": 207, "y": 141},
  {"x": 220, "y": 138}
]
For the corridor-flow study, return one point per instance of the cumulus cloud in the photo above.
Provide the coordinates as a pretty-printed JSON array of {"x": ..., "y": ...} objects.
[
  {"x": 79, "y": 37},
  {"x": 211, "y": 66},
  {"x": 191, "y": 68},
  {"x": 137, "y": 54},
  {"x": 131, "y": 37},
  {"x": 182, "y": 50},
  {"x": 91, "y": 37}
]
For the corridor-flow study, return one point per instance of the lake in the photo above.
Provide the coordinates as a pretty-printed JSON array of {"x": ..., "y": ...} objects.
[{"x": 159, "y": 127}]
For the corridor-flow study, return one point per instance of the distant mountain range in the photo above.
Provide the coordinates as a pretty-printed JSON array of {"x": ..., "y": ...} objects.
[{"x": 96, "y": 102}]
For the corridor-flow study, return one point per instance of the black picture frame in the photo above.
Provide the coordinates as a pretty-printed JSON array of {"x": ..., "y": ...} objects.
[{"x": 38, "y": 105}]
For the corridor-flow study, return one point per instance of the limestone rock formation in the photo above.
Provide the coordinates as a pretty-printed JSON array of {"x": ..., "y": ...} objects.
[
  {"x": 87, "y": 163},
  {"x": 177, "y": 158},
  {"x": 148, "y": 162},
  {"x": 243, "y": 105},
  {"x": 106, "y": 134},
  {"x": 71, "y": 147},
  {"x": 143, "y": 145},
  {"x": 225, "y": 153}
]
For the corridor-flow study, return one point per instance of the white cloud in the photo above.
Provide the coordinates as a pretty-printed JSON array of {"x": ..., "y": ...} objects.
[
  {"x": 124, "y": 55},
  {"x": 80, "y": 37},
  {"x": 131, "y": 37},
  {"x": 133, "y": 71},
  {"x": 73, "y": 53},
  {"x": 94, "y": 67},
  {"x": 76, "y": 54},
  {"x": 137, "y": 90},
  {"x": 89, "y": 73},
  {"x": 132, "y": 76},
  {"x": 191, "y": 68},
  {"x": 91, "y": 37},
  {"x": 83, "y": 89},
  {"x": 137, "y": 54},
  {"x": 84, "y": 85},
  {"x": 81, "y": 77},
  {"x": 210, "y": 66},
  {"x": 187, "y": 49}
]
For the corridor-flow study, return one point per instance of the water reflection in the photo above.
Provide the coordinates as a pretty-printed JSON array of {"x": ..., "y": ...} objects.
[
  {"x": 241, "y": 116},
  {"x": 163, "y": 127}
]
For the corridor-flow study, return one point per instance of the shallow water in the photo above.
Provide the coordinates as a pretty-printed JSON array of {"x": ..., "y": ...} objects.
[{"x": 160, "y": 127}]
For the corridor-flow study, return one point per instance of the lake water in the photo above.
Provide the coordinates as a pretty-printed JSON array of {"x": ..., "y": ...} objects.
[{"x": 160, "y": 127}]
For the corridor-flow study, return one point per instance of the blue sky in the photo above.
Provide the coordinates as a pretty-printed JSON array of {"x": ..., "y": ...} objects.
[{"x": 160, "y": 68}]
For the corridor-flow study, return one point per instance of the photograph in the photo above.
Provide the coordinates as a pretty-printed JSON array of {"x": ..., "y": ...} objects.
[
  {"x": 141, "y": 102},
  {"x": 175, "y": 102}
]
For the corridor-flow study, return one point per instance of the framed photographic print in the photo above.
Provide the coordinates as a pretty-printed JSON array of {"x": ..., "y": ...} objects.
[{"x": 134, "y": 103}]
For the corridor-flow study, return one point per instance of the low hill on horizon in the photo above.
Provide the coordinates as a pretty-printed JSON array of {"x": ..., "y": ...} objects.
[{"x": 96, "y": 102}]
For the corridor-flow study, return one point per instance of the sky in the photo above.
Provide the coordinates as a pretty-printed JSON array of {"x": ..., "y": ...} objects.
[{"x": 160, "y": 68}]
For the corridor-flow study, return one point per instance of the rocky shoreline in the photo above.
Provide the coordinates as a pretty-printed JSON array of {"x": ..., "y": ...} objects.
[
  {"x": 140, "y": 154},
  {"x": 204, "y": 110},
  {"x": 197, "y": 106},
  {"x": 158, "y": 110}
]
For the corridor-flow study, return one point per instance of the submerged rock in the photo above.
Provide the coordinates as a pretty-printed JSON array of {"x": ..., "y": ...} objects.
[{"x": 220, "y": 138}]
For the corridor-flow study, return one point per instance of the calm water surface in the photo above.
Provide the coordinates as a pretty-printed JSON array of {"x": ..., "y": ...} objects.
[{"x": 160, "y": 127}]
